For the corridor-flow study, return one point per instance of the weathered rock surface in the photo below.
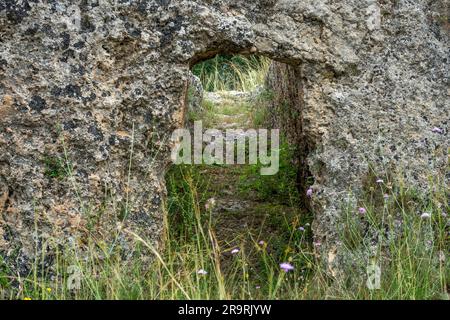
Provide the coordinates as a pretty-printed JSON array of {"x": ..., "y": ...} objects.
[
  {"x": 91, "y": 91},
  {"x": 195, "y": 94}
]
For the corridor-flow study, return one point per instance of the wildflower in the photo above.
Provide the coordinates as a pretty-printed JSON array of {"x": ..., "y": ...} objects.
[
  {"x": 362, "y": 210},
  {"x": 211, "y": 203},
  {"x": 258, "y": 287},
  {"x": 262, "y": 242},
  {"x": 27, "y": 298},
  {"x": 386, "y": 196},
  {"x": 444, "y": 215},
  {"x": 437, "y": 130},
  {"x": 202, "y": 272},
  {"x": 234, "y": 251},
  {"x": 286, "y": 266},
  {"x": 309, "y": 193},
  {"x": 380, "y": 181},
  {"x": 49, "y": 290},
  {"x": 301, "y": 229},
  {"x": 425, "y": 215},
  {"x": 317, "y": 244}
]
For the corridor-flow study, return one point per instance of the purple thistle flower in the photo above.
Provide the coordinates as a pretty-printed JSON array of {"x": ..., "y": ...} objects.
[
  {"x": 286, "y": 267},
  {"x": 362, "y": 210},
  {"x": 262, "y": 242},
  {"x": 309, "y": 192},
  {"x": 301, "y": 229}
]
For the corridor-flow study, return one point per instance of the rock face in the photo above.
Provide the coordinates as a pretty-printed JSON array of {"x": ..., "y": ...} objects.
[
  {"x": 195, "y": 94},
  {"x": 91, "y": 91}
]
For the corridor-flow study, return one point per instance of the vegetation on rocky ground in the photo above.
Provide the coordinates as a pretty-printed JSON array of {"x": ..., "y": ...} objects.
[
  {"x": 262, "y": 250},
  {"x": 228, "y": 72}
]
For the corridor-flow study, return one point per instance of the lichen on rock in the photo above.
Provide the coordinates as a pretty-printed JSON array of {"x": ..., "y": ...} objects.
[{"x": 91, "y": 91}]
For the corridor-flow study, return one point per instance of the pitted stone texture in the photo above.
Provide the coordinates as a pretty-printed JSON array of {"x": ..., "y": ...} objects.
[
  {"x": 389, "y": 115},
  {"x": 195, "y": 94},
  {"x": 91, "y": 91}
]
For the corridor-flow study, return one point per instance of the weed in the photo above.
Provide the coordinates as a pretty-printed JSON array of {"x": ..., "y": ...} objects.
[
  {"x": 55, "y": 167},
  {"x": 225, "y": 72},
  {"x": 282, "y": 186}
]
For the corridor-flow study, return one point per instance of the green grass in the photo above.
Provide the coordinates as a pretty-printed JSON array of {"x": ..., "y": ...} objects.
[
  {"x": 259, "y": 111},
  {"x": 225, "y": 72},
  {"x": 254, "y": 274},
  {"x": 410, "y": 252},
  {"x": 282, "y": 186},
  {"x": 212, "y": 115},
  {"x": 190, "y": 245}
]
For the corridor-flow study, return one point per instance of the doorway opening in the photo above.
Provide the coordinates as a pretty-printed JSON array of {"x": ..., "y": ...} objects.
[{"x": 230, "y": 211}]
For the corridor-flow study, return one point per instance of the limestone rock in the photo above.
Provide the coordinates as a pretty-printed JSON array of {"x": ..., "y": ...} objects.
[
  {"x": 195, "y": 94},
  {"x": 91, "y": 91}
]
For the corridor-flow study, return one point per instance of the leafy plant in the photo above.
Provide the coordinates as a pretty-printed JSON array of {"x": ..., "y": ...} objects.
[{"x": 282, "y": 186}]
